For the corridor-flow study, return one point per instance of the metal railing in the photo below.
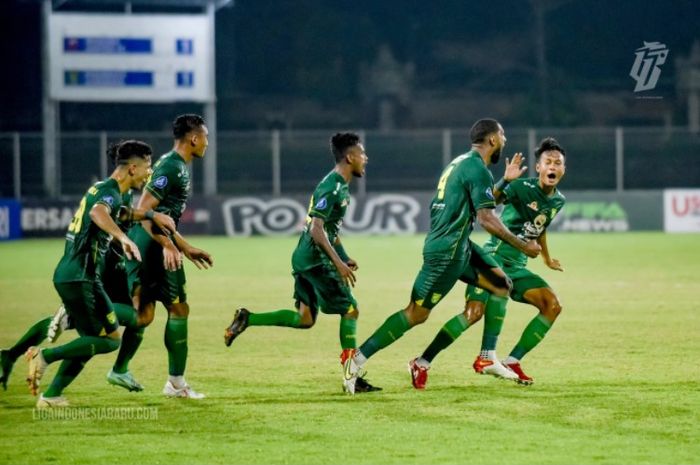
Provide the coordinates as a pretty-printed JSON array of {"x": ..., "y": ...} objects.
[{"x": 285, "y": 162}]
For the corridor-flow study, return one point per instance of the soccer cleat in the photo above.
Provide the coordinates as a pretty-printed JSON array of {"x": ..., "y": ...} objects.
[
  {"x": 51, "y": 402},
  {"x": 419, "y": 374},
  {"x": 184, "y": 392},
  {"x": 125, "y": 380},
  {"x": 37, "y": 367},
  {"x": 59, "y": 323},
  {"x": 522, "y": 377},
  {"x": 351, "y": 372},
  {"x": 485, "y": 366},
  {"x": 362, "y": 385},
  {"x": 6, "y": 364},
  {"x": 237, "y": 326}
]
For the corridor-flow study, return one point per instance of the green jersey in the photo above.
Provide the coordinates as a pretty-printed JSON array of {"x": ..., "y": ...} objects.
[
  {"x": 329, "y": 202},
  {"x": 85, "y": 241},
  {"x": 464, "y": 187},
  {"x": 170, "y": 184},
  {"x": 527, "y": 213}
]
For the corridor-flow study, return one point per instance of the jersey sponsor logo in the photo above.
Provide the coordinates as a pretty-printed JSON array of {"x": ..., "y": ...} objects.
[
  {"x": 321, "y": 204},
  {"x": 161, "y": 182},
  {"x": 533, "y": 205},
  {"x": 489, "y": 193}
]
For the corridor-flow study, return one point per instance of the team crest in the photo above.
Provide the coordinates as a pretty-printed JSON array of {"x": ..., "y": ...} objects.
[
  {"x": 489, "y": 193},
  {"x": 435, "y": 298},
  {"x": 322, "y": 204},
  {"x": 533, "y": 205},
  {"x": 108, "y": 199},
  {"x": 161, "y": 182}
]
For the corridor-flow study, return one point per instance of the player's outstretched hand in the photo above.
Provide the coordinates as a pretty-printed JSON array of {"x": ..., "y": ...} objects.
[
  {"x": 532, "y": 248},
  {"x": 130, "y": 249},
  {"x": 514, "y": 168},
  {"x": 554, "y": 264},
  {"x": 164, "y": 222},
  {"x": 172, "y": 259},
  {"x": 201, "y": 259}
]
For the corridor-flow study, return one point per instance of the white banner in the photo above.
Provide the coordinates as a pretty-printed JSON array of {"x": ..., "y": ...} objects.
[
  {"x": 682, "y": 210},
  {"x": 130, "y": 58}
]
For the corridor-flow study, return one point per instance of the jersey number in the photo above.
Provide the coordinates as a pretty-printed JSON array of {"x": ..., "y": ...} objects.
[
  {"x": 77, "y": 221},
  {"x": 443, "y": 182}
]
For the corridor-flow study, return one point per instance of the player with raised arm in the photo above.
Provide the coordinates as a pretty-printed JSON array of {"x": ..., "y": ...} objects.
[
  {"x": 77, "y": 278},
  {"x": 323, "y": 272},
  {"x": 160, "y": 276},
  {"x": 464, "y": 194},
  {"x": 530, "y": 206}
]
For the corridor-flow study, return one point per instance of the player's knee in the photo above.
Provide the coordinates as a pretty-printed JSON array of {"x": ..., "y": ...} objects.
[
  {"x": 145, "y": 318},
  {"x": 416, "y": 314},
  {"x": 181, "y": 310},
  {"x": 551, "y": 309},
  {"x": 474, "y": 311},
  {"x": 352, "y": 314},
  {"x": 306, "y": 321}
]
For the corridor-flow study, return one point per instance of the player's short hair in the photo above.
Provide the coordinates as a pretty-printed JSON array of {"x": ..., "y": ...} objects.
[
  {"x": 482, "y": 129},
  {"x": 121, "y": 152},
  {"x": 185, "y": 124},
  {"x": 547, "y": 144},
  {"x": 341, "y": 142}
]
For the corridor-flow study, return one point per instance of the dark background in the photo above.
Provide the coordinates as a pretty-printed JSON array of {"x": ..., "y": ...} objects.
[{"x": 305, "y": 64}]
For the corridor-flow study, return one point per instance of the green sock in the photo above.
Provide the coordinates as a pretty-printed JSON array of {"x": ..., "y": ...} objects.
[
  {"x": 176, "y": 343},
  {"x": 131, "y": 340},
  {"x": 67, "y": 372},
  {"x": 289, "y": 318},
  {"x": 532, "y": 335},
  {"x": 83, "y": 347},
  {"x": 446, "y": 336},
  {"x": 126, "y": 314},
  {"x": 348, "y": 333},
  {"x": 393, "y": 328},
  {"x": 33, "y": 337},
  {"x": 495, "y": 314}
]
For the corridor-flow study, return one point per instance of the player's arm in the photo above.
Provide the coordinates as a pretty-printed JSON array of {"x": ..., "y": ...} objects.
[
  {"x": 514, "y": 170},
  {"x": 320, "y": 239},
  {"x": 552, "y": 263},
  {"x": 171, "y": 254},
  {"x": 493, "y": 225},
  {"x": 338, "y": 246},
  {"x": 201, "y": 258},
  {"x": 99, "y": 214}
]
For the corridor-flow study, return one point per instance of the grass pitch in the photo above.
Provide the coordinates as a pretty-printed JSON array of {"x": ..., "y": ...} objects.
[{"x": 617, "y": 378}]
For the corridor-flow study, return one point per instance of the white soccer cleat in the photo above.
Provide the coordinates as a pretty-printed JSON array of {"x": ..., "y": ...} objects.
[
  {"x": 486, "y": 366},
  {"x": 351, "y": 371},
  {"x": 59, "y": 323},
  {"x": 37, "y": 367},
  {"x": 51, "y": 402},
  {"x": 185, "y": 392}
]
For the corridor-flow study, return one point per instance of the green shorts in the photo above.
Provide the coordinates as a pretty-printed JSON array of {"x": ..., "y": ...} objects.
[
  {"x": 89, "y": 307},
  {"x": 156, "y": 283},
  {"x": 321, "y": 288},
  {"x": 523, "y": 280},
  {"x": 438, "y": 275},
  {"x": 114, "y": 279}
]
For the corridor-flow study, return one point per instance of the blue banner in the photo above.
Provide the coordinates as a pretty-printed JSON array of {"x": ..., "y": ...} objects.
[
  {"x": 107, "y": 45},
  {"x": 108, "y": 78},
  {"x": 10, "y": 219}
]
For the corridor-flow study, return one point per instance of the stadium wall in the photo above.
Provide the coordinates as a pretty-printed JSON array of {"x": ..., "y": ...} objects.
[{"x": 673, "y": 210}]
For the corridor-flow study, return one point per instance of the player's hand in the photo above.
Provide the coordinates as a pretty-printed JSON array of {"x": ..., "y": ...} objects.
[
  {"x": 130, "y": 249},
  {"x": 514, "y": 168},
  {"x": 199, "y": 257},
  {"x": 172, "y": 259},
  {"x": 346, "y": 273},
  {"x": 532, "y": 248},
  {"x": 164, "y": 222},
  {"x": 352, "y": 264},
  {"x": 554, "y": 264}
]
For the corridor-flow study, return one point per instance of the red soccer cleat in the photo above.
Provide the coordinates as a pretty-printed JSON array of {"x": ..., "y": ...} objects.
[
  {"x": 419, "y": 374},
  {"x": 522, "y": 377}
]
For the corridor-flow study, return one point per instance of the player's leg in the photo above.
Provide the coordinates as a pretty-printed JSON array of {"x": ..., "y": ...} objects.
[
  {"x": 435, "y": 279},
  {"x": 34, "y": 336},
  {"x": 91, "y": 311},
  {"x": 540, "y": 295}
]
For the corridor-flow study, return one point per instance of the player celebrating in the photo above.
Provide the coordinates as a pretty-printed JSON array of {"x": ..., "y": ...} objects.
[
  {"x": 464, "y": 193},
  {"x": 161, "y": 277},
  {"x": 323, "y": 272},
  {"x": 77, "y": 278},
  {"x": 530, "y": 206}
]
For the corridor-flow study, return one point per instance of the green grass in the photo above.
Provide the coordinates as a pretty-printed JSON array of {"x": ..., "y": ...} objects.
[{"x": 617, "y": 378}]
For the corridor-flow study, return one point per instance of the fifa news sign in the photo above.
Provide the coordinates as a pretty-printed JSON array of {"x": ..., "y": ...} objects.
[{"x": 128, "y": 58}]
